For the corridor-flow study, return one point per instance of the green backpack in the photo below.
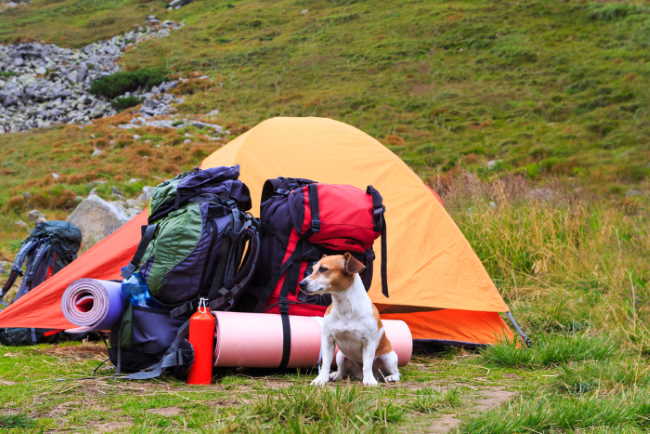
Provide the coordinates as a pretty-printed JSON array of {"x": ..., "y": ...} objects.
[{"x": 200, "y": 243}]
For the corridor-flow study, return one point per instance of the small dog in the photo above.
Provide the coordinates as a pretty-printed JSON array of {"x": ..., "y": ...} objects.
[{"x": 351, "y": 322}]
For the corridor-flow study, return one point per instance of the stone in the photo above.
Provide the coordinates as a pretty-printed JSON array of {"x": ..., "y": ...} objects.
[
  {"x": 96, "y": 152},
  {"x": 21, "y": 223},
  {"x": 633, "y": 192},
  {"x": 146, "y": 194},
  {"x": 492, "y": 164},
  {"x": 55, "y": 176},
  {"x": 36, "y": 216},
  {"x": 97, "y": 218},
  {"x": 541, "y": 194}
]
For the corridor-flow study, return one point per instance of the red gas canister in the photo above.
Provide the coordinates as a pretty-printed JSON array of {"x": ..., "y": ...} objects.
[{"x": 202, "y": 339}]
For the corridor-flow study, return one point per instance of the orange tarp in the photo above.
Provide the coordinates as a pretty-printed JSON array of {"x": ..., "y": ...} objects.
[{"x": 432, "y": 269}]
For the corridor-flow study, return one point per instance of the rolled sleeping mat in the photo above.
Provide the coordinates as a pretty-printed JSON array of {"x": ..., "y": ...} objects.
[
  {"x": 92, "y": 304},
  {"x": 255, "y": 340}
]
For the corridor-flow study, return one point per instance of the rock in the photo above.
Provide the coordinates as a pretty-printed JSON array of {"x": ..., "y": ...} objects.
[
  {"x": 21, "y": 223},
  {"x": 492, "y": 164},
  {"x": 55, "y": 176},
  {"x": 146, "y": 194},
  {"x": 98, "y": 218},
  {"x": 5, "y": 267},
  {"x": 117, "y": 193},
  {"x": 542, "y": 194},
  {"x": 36, "y": 216},
  {"x": 96, "y": 152},
  {"x": 633, "y": 192},
  {"x": 178, "y": 3}
]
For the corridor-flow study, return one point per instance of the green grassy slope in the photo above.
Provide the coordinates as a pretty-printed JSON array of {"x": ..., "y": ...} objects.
[{"x": 542, "y": 88}]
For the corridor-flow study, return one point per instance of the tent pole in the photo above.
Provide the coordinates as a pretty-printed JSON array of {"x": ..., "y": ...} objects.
[{"x": 515, "y": 324}]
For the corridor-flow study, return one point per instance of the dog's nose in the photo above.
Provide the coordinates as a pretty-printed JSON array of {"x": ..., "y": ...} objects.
[{"x": 303, "y": 284}]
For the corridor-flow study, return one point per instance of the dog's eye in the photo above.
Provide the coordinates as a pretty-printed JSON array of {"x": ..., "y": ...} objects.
[{"x": 322, "y": 269}]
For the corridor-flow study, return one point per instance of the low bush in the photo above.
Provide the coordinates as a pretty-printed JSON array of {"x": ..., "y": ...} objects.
[
  {"x": 123, "y": 103},
  {"x": 114, "y": 85}
]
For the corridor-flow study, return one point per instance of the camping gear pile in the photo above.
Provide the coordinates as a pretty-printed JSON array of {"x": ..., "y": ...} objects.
[
  {"x": 200, "y": 244},
  {"x": 438, "y": 286},
  {"x": 51, "y": 246}
]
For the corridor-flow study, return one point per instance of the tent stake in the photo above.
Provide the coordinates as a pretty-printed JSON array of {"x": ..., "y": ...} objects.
[{"x": 515, "y": 324}]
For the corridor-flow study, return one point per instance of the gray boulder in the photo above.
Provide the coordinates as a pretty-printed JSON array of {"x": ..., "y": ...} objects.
[{"x": 98, "y": 218}]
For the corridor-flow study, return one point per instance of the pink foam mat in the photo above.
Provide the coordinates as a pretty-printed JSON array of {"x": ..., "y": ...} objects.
[{"x": 254, "y": 340}]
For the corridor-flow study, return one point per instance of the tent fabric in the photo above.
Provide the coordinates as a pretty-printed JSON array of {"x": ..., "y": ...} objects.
[{"x": 437, "y": 283}]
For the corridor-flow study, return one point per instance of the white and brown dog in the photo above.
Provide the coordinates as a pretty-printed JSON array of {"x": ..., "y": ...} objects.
[{"x": 352, "y": 323}]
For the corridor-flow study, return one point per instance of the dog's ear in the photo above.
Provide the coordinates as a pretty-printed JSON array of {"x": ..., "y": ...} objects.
[{"x": 352, "y": 264}]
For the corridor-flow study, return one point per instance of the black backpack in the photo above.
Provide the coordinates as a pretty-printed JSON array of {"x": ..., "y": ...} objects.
[{"x": 51, "y": 246}]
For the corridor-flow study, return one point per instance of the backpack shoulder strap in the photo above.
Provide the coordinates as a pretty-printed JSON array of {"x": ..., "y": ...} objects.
[
  {"x": 26, "y": 249},
  {"x": 379, "y": 219},
  {"x": 148, "y": 232}
]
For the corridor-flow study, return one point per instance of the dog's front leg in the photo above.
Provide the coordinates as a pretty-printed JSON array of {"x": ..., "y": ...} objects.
[
  {"x": 327, "y": 354},
  {"x": 369, "y": 349}
]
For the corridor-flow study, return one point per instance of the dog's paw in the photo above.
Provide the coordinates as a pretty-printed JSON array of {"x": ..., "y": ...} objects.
[
  {"x": 392, "y": 378},
  {"x": 335, "y": 376},
  {"x": 319, "y": 381},
  {"x": 371, "y": 381}
]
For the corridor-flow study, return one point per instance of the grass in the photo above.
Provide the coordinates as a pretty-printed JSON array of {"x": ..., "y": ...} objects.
[
  {"x": 550, "y": 350},
  {"x": 620, "y": 414}
]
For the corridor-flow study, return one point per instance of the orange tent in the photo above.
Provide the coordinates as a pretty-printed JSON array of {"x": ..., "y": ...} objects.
[{"x": 437, "y": 283}]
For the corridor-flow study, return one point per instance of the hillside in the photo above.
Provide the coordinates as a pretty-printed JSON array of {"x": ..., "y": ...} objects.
[{"x": 530, "y": 118}]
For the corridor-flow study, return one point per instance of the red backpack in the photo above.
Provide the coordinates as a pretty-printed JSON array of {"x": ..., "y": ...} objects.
[{"x": 301, "y": 221}]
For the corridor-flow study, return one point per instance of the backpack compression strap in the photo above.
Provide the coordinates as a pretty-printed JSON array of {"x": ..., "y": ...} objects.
[
  {"x": 378, "y": 210},
  {"x": 148, "y": 232},
  {"x": 16, "y": 267}
]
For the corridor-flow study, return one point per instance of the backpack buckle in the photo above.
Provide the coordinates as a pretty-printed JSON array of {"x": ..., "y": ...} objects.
[
  {"x": 315, "y": 225},
  {"x": 127, "y": 271}
]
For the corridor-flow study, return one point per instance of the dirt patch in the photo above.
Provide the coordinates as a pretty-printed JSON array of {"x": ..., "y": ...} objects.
[
  {"x": 83, "y": 351},
  {"x": 492, "y": 398},
  {"x": 7, "y": 383},
  {"x": 112, "y": 426},
  {"x": 166, "y": 411},
  {"x": 222, "y": 403},
  {"x": 444, "y": 424},
  {"x": 488, "y": 398}
]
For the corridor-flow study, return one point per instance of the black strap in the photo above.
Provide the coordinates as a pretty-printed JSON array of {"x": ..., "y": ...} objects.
[
  {"x": 148, "y": 232},
  {"x": 379, "y": 221},
  {"x": 16, "y": 268},
  {"x": 313, "y": 205}
]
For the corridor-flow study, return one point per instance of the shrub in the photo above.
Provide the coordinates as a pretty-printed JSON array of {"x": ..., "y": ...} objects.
[
  {"x": 124, "y": 102},
  {"x": 611, "y": 12},
  {"x": 114, "y": 85}
]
